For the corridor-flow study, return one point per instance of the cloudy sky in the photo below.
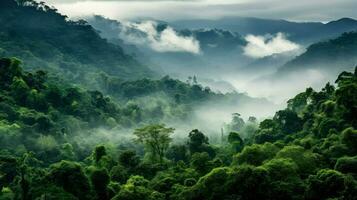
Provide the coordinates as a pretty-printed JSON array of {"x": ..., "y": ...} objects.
[{"x": 301, "y": 10}]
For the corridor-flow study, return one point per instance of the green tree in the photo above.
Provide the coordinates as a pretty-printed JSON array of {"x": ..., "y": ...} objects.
[
  {"x": 177, "y": 153},
  {"x": 8, "y": 166},
  {"x": 200, "y": 162},
  {"x": 306, "y": 161},
  {"x": 235, "y": 141},
  {"x": 20, "y": 90},
  {"x": 285, "y": 182},
  {"x": 129, "y": 159},
  {"x": 119, "y": 174},
  {"x": 100, "y": 180},
  {"x": 198, "y": 143},
  {"x": 328, "y": 184},
  {"x": 196, "y": 140},
  {"x": 136, "y": 188},
  {"x": 349, "y": 137},
  {"x": 347, "y": 165},
  {"x": 70, "y": 176},
  {"x": 256, "y": 154},
  {"x": 156, "y": 139},
  {"x": 98, "y": 153}
]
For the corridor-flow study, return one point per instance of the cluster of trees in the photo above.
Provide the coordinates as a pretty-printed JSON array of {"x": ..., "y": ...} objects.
[
  {"x": 307, "y": 151},
  {"x": 164, "y": 99}
]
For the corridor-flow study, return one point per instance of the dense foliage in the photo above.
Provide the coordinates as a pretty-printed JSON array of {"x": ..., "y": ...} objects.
[
  {"x": 66, "y": 141},
  {"x": 42, "y": 109},
  {"x": 307, "y": 151}
]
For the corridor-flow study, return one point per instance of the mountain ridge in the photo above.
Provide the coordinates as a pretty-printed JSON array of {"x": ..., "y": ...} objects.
[{"x": 44, "y": 38}]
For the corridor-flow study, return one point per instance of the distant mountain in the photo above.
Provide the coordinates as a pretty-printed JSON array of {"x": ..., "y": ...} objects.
[
  {"x": 215, "y": 40},
  {"x": 211, "y": 40},
  {"x": 45, "y": 39},
  {"x": 331, "y": 56},
  {"x": 219, "y": 49},
  {"x": 304, "y": 32}
]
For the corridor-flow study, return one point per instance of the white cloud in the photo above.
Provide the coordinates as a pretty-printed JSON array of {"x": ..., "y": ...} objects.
[
  {"x": 167, "y": 40},
  {"x": 261, "y": 46}
]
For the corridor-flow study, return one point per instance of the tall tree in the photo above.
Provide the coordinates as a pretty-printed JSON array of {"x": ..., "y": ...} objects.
[{"x": 156, "y": 139}]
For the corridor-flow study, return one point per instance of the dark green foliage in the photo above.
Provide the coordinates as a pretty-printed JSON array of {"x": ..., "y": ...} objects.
[
  {"x": 287, "y": 121},
  {"x": 349, "y": 137},
  {"x": 285, "y": 182},
  {"x": 100, "y": 180},
  {"x": 330, "y": 184},
  {"x": 54, "y": 193},
  {"x": 236, "y": 141},
  {"x": 234, "y": 137},
  {"x": 98, "y": 153},
  {"x": 305, "y": 160},
  {"x": 129, "y": 159},
  {"x": 197, "y": 139},
  {"x": 70, "y": 176},
  {"x": 200, "y": 162},
  {"x": 136, "y": 188},
  {"x": 237, "y": 183},
  {"x": 8, "y": 170},
  {"x": 119, "y": 174},
  {"x": 347, "y": 165},
  {"x": 256, "y": 154},
  {"x": 198, "y": 142},
  {"x": 177, "y": 153}
]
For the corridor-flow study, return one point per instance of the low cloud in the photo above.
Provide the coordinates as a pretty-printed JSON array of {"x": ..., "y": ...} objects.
[
  {"x": 160, "y": 39},
  {"x": 262, "y": 46}
]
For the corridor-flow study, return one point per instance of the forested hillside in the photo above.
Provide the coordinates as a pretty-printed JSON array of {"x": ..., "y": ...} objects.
[
  {"x": 332, "y": 55},
  {"x": 29, "y": 99},
  {"x": 45, "y": 39},
  {"x": 307, "y": 151}
]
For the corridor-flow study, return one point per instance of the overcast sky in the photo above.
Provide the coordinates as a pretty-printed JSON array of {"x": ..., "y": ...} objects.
[{"x": 300, "y": 10}]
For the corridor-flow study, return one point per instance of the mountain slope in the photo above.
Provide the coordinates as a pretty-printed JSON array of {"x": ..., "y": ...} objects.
[
  {"x": 332, "y": 56},
  {"x": 44, "y": 38}
]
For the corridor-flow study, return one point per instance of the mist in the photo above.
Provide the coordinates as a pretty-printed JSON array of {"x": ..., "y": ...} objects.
[
  {"x": 250, "y": 65},
  {"x": 262, "y": 46},
  {"x": 167, "y": 40}
]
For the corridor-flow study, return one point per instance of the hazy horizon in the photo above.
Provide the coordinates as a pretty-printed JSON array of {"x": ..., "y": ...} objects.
[{"x": 170, "y": 10}]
